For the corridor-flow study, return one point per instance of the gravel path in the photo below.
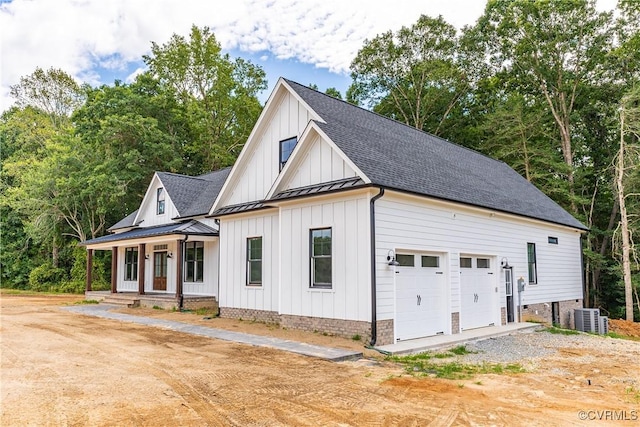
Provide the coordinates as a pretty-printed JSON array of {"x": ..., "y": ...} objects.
[{"x": 532, "y": 346}]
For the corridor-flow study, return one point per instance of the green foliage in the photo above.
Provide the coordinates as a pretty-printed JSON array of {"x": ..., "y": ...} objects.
[
  {"x": 421, "y": 364},
  {"x": 218, "y": 95},
  {"x": 412, "y": 75},
  {"x": 559, "y": 331},
  {"x": 46, "y": 278}
]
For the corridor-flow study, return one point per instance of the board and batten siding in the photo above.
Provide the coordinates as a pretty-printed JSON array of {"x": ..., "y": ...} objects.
[
  {"x": 209, "y": 285},
  {"x": 260, "y": 170},
  {"x": 147, "y": 213},
  {"x": 412, "y": 224},
  {"x": 234, "y": 232},
  {"x": 350, "y": 295},
  {"x": 320, "y": 163}
]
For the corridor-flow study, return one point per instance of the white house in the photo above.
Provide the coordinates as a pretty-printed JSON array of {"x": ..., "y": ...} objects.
[{"x": 337, "y": 219}]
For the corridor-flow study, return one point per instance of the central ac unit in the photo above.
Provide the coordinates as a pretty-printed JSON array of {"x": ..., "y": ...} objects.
[
  {"x": 603, "y": 326},
  {"x": 587, "y": 320}
]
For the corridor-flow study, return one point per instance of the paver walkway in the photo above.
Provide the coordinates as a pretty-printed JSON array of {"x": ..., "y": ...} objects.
[{"x": 328, "y": 353}]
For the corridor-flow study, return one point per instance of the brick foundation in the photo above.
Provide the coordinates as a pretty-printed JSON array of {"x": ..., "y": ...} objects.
[
  {"x": 455, "y": 323},
  {"x": 337, "y": 327},
  {"x": 385, "y": 332},
  {"x": 248, "y": 314},
  {"x": 567, "y": 319},
  {"x": 543, "y": 312}
]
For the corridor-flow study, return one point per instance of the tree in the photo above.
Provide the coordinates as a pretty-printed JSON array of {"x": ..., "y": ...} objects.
[
  {"x": 54, "y": 92},
  {"x": 412, "y": 75},
  {"x": 626, "y": 166},
  {"x": 219, "y": 94},
  {"x": 549, "y": 49}
]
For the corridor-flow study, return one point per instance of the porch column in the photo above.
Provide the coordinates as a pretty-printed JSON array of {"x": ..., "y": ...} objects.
[
  {"x": 141, "y": 267},
  {"x": 179, "y": 268},
  {"x": 114, "y": 269},
  {"x": 89, "y": 278}
]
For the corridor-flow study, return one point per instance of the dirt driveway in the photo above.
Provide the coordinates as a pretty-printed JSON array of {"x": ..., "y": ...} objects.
[{"x": 60, "y": 368}]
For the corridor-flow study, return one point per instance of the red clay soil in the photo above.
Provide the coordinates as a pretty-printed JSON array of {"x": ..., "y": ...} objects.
[{"x": 624, "y": 327}]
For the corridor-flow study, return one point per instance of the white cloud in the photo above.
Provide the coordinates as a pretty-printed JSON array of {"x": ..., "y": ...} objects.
[{"x": 81, "y": 36}]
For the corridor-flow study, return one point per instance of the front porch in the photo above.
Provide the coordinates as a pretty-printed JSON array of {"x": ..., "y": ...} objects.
[{"x": 153, "y": 300}]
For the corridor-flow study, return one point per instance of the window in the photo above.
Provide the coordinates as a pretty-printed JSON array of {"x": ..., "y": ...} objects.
[
  {"x": 131, "y": 264},
  {"x": 531, "y": 258},
  {"x": 483, "y": 263},
  {"x": 465, "y": 262},
  {"x": 286, "y": 148},
  {"x": 194, "y": 262},
  {"x": 553, "y": 240},
  {"x": 430, "y": 261},
  {"x": 321, "y": 258},
  {"x": 254, "y": 261},
  {"x": 405, "y": 260},
  {"x": 160, "y": 201}
]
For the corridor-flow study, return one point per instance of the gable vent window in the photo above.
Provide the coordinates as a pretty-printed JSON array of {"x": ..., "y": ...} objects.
[
  {"x": 553, "y": 240},
  {"x": 160, "y": 201},
  {"x": 286, "y": 148}
]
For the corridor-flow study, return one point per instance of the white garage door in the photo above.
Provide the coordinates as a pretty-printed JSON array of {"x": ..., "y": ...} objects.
[
  {"x": 477, "y": 285},
  {"x": 421, "y": 306}
]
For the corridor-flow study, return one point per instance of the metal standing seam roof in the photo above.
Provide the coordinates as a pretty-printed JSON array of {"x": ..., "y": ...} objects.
[
  {"x": 190, "y": 227},
  {"x": 396, "y": 156}
]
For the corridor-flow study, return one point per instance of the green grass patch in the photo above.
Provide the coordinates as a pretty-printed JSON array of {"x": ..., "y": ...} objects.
[
  {"x": 356, "y": 337},
  {"x": 87, "y": 301},
  {"x": 461, "y": 350},
  {"x": 157, "y": 307},
  {"x": 423, "y": 364},
  {"x": 561, "y": 331}
]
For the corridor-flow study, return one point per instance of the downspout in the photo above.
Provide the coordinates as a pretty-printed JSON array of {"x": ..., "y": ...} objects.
[
  {"x": 372, "y": 223},
  {"x": 217, "y": 222}
]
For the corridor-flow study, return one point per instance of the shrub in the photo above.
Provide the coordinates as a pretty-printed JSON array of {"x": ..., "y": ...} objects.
[{"x": 46, "y": 278}]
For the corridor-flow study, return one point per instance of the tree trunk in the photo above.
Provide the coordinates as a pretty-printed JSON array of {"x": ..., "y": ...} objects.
[{"x": 624, "y": 226}]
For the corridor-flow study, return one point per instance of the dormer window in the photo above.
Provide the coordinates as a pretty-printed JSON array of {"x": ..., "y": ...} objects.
[
  {"x": 286, "y": 148},
  {"x": 160, "y": 201}
]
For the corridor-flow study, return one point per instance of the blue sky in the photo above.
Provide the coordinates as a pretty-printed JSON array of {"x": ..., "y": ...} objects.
[{"x": 308, "y": 41}]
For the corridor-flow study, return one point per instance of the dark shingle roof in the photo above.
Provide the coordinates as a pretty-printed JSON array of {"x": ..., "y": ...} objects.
[
  {"x": 193, "y": 195},
  {"x": 125, "y": 222},
  {"x": 400, "y": 157},
  {"x": 190, "y": 227}
]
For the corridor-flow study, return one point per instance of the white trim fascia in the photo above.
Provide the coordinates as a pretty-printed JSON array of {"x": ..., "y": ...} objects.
[{"x": 301, "y": 148}]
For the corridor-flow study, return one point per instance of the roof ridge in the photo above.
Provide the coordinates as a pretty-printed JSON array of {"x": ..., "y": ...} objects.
[{"x": 395, "y": 122}]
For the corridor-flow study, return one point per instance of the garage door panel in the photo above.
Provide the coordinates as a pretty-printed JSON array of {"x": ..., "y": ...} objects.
[
  {"x": 420, "y": 302},
  {"x": 477, "y": 288}
]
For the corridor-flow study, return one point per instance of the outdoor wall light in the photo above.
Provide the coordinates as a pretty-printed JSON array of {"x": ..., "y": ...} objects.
[
  {"x": 170, "y": 255},
  {"x": 146, "y": 256},
  {"x": 391, "y": 258},
  {"x": 504, "y": 263}
]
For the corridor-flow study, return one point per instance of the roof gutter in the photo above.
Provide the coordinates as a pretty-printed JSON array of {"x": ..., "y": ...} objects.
[{"x": 372, "y": 223}]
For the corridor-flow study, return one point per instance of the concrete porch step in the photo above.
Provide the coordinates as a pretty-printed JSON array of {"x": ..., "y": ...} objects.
[{"x": 125, "y": 301}]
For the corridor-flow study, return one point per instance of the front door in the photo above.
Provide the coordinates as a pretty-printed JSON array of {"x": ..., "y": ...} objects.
[
  {"x": 160, "y": 271},
  {"x": 508, "y": 282}
]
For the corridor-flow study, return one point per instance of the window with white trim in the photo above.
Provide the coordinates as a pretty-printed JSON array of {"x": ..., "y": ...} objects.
[
  {"x": 321, "y": 260},
  {"x": 160, "y": 201},
  {"x": 531, "y": 262},
  {"x": 254, "y": 261},
  {"x": 194, "y": 261},
  {"x": 131, "y": 264}
]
